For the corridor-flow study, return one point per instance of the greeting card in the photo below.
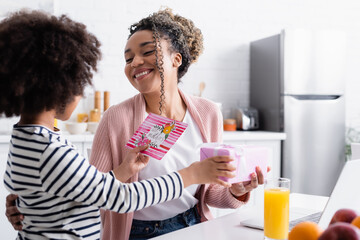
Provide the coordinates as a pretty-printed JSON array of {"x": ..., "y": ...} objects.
[{"x": 159, "y": 132}]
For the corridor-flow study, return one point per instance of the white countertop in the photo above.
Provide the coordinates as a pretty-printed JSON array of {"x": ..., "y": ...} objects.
[
  {"x": 228, "y": 136},
  {"x": 229, "y": 227},
  {"x": 253, "y": 135},
  {"x": 86, "y": 137}
]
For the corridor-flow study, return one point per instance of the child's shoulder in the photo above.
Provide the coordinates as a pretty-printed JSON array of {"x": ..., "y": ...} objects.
[
  {"x": 30, "y": 141},
  {"x": 37, "y": 136},
  {"x": 32, "y": 133}
]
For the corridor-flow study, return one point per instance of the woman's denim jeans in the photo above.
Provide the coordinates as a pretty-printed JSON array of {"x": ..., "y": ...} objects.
[{"x": 149, "y": 229}]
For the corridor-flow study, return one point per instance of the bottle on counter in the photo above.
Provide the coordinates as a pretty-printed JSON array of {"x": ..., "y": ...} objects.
[
  {"x": 97, "y": 102},
  {"x": 95, "y": 114},
  {"x": 106, "y": 100}
]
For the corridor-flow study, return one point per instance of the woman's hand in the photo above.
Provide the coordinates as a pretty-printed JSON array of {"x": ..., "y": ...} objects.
[
  {"x": 208, "y": 171},
  {"x": 241, "y": 188},
  {"x": 12, "y": 213},
  {"x": 133, "y": 162}
]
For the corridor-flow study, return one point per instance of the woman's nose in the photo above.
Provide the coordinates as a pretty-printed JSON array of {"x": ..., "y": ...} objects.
[{"x": 137, "y": 61}]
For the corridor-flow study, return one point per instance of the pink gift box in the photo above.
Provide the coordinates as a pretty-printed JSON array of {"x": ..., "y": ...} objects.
[{"x": 246, "y": 158}]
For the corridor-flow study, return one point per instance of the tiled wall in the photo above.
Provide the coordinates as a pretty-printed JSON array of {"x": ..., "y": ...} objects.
[{"x": 228, "y": 27}]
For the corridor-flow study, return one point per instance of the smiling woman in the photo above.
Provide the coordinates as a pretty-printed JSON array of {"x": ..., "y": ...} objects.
[{"x": 158, "y": 53}]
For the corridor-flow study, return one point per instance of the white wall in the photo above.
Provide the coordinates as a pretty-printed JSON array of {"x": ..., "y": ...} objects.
[{"x": 228, "y": 27}]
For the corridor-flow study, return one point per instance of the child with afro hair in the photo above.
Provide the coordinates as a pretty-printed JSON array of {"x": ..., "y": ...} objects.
[{"x": 45, "y": 64}]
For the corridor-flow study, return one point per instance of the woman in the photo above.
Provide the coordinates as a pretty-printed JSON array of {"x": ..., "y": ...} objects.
[{"x": 158, "y": 53}]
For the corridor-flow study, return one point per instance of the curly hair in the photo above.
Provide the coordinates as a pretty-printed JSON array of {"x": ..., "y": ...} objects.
[
  {"x": 182, "y": 35},
  {"x": 45, "y": 61}
]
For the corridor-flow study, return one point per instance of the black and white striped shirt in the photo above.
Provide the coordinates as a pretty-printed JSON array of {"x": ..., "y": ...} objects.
[{"x": 60, "y": 193}]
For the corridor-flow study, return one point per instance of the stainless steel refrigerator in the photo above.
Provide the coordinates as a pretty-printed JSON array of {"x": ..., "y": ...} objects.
[{"x": 297, "y": 85}]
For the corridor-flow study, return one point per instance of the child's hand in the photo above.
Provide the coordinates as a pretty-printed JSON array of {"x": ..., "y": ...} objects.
[
  {"x": 133, "y": 162},
  {"x": 208, "y": 171},
  {"x": 12, "y": 212}
]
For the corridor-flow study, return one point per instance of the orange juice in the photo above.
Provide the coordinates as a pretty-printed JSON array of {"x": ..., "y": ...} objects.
[{"x": 276, "y": 213}]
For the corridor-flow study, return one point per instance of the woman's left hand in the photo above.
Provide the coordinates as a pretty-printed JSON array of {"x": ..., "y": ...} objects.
[{"x": 241, "y": 188}]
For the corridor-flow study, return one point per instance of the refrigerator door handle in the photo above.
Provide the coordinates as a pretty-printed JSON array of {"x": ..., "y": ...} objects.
[{"x": 313, "y": 97}]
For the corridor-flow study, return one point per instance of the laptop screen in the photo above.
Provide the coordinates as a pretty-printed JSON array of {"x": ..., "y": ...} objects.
[{"x": 346, "y": 193}]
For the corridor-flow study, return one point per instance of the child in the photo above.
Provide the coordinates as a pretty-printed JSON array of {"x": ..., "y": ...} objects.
[{"x": 45, "y": 64}]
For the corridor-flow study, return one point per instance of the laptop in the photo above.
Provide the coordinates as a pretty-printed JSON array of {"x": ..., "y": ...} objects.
[{"x": 346, "y": 194}]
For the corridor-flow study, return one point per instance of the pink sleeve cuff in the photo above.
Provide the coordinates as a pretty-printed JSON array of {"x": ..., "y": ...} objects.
[{"x": 221, "y": 197}]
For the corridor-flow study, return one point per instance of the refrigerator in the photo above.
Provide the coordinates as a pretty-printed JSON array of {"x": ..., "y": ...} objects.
[{"x": 297, "y": 84}]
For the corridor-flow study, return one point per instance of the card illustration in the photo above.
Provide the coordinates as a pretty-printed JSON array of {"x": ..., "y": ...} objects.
[{"x": 159, "y": 132}]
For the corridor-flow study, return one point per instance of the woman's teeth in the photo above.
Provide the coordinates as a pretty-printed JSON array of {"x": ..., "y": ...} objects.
[{"x": 141, "y": 74}]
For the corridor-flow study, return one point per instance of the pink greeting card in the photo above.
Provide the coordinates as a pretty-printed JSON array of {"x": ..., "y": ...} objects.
[{"x": 159, "y": 132}]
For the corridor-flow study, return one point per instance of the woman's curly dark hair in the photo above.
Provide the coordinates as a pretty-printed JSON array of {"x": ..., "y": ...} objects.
[
  {"x": 45, "y": 61},
  {"x": 182, "y": 35}
]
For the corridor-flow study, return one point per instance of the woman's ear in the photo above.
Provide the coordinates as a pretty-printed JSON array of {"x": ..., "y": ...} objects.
[{"x": 177, "y": 60}]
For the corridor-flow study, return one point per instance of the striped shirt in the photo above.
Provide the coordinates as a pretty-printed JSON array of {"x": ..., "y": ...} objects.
[{"x": 60, "y": 193}]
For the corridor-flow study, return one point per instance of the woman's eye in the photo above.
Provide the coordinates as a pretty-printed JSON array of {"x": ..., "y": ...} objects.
[
  {"x": 149, "y": 52},
  {"x": 128, "y": 60}
]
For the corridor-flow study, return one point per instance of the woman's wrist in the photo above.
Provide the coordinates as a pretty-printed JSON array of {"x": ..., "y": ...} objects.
[{"x": 240, "y": 197}]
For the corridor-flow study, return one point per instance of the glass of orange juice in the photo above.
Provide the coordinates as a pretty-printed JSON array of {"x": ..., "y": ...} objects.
[{"x": 276, "y": 208}]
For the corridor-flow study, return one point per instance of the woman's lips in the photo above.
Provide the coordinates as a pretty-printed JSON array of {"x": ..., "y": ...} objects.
[{"x": 140, "y": 75}]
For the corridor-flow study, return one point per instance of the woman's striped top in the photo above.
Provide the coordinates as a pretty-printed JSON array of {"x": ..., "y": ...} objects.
[{"x": 60, "y": 193}]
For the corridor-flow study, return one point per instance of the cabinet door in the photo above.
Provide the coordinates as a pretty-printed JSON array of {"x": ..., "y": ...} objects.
[{"x": 6, "y": 229}]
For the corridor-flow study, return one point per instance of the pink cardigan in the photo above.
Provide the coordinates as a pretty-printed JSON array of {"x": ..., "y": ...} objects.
[{"x": 116, "y": 128}]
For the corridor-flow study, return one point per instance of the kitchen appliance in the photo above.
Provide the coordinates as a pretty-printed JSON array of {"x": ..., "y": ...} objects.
[
  {"x": 247, "y": 118},
  {"x": 296, "y": 83}
]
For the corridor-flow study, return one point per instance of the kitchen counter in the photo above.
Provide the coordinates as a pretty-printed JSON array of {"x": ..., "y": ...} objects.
[
  {"x": 272, "y": 140},
  {"x": 228, "y": 136},
  {"x": 253, "y": 135},
  {"x": 86, "y": 137}
]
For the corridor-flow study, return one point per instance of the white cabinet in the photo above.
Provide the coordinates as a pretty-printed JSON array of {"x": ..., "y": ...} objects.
[{"x": 272, "y": 140}]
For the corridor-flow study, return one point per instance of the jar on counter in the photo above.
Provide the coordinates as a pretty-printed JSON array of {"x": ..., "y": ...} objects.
[
  {"x": 95, "y": 115},
  {"x": 229, "y": 124},
  {"x": 82, "y": 117}
]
